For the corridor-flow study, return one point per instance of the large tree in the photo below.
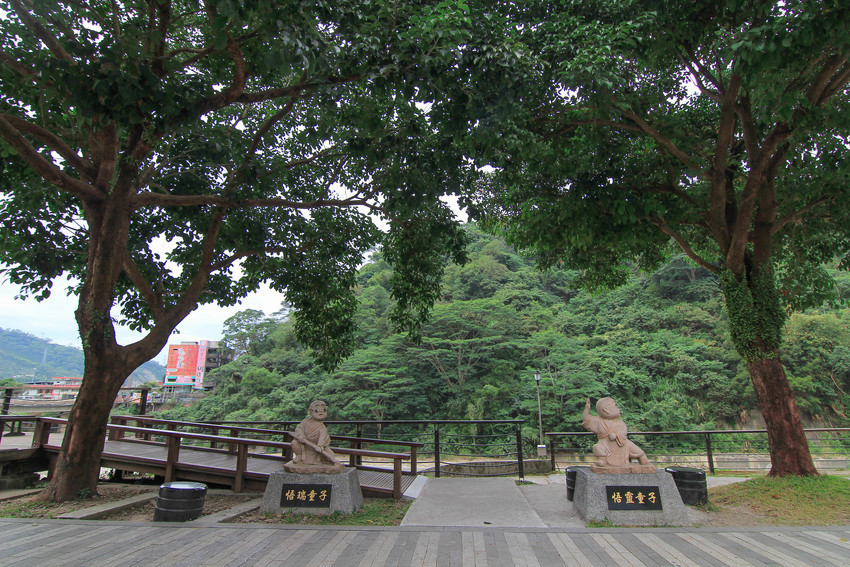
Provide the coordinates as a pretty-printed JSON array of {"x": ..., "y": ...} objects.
[
  {"x": 171, "y": 153},
  {"x": 718, "y": 125}
]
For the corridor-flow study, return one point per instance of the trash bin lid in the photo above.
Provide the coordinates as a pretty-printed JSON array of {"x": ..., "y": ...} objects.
[{"x": 185, "y": 485}]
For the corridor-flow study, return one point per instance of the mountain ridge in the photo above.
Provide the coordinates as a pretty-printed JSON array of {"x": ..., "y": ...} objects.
[{"x": 23, "y": 355}]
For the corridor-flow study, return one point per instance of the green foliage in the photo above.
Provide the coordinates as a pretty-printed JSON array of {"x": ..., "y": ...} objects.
[
  {"x": 658, "y": 344},
  {"x": 755, "y": 314}
]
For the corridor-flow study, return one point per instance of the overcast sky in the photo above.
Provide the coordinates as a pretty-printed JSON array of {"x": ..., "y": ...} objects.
[{"x": 53, "y": 318}]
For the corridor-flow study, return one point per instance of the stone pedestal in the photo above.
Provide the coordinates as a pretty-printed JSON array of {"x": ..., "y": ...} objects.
[
  {"x": 629, "y": 499},
  {"x": 312, "y": 493}
]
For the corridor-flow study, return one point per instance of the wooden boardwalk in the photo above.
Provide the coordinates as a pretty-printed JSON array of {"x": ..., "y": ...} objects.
[
  {"x": 241, "y": 463},
  {"x": 217, "y": 466},
  {"x": 55, "y": 543}
]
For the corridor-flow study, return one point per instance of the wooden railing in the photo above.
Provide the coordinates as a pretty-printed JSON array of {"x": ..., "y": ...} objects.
[
  {"x": 237, "y": 444},
  {"x": 248, "y": 436},
  {"x": 355, "y": 443}
]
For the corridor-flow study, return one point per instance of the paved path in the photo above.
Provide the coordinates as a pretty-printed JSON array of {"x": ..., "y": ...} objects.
[
  {"x": 27, "y": 543},
  {"x": 455, "y": 522}
]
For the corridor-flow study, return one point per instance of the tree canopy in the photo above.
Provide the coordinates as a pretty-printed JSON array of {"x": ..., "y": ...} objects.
[
  {"x": 717, "y": 126},
  {"x": 169, "y": 153}
]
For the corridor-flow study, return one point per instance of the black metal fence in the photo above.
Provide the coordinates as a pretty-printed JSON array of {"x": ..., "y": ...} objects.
[{"x": 739, "y": 450}]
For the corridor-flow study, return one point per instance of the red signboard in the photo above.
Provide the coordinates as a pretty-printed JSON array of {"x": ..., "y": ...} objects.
[{"x": 182, "y": 364}]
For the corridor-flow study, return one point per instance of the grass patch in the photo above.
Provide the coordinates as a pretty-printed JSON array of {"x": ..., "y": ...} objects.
[
  {"x": 28, "y": 510},
  {"x": 374, "y": 512},
  {"x": 791, "y": 500},
  {"x": 745, "y": 474},
  {"x": 606, "y": 523}
]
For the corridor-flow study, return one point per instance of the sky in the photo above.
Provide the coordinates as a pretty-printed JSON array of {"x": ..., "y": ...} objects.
[{"x": 53, "y": 318}]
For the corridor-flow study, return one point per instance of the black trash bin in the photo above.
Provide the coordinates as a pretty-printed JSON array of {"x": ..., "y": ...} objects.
[
  {"x": 691, "y": 483},
  {"x": 571, "y": 480},
  {"x": 180, "y": 502}
]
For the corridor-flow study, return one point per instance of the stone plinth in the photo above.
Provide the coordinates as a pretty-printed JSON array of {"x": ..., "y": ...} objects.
[
  {"x": 313, "y": 493},
  {"x": 600, "y": 497},
  {"x": 632, "y": 468}
]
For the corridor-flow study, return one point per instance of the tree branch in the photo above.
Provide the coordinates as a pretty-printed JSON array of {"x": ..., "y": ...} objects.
[
  {"x": 661, "y": 140},
  {"x": 82, "y": 165},
  {"x": 683, "y": 244},
  {"x": 237, "y": 84},
  {"x": 40, "y": 31},
  {"x": 670, "y": 190},
  {"x": 838, "y": 82},
  {"x": 162, "y": 200},
  {"x": 817, "y": 91},
  {"x": 267, "y": 125},
  {"x": 717, "y": 170},
  {"x": 141, "y": 283},
  {"x": 47, "y": 170},
  {"x": 106, "y": 142},
  {"x": 13, "y": 64},
  {"x": 797, "y": 216},
  {"x": 701, "y": 69}
]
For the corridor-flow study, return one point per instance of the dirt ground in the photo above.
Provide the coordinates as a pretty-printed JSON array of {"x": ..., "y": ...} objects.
[
  {"x": 212, "y": 504},
  {"x": 32, "y": 508}
]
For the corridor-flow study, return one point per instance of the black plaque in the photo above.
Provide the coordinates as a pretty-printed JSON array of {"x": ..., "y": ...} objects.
[
  {"x": 305, "y": 496},
  {"x": 633, "y": 497}
]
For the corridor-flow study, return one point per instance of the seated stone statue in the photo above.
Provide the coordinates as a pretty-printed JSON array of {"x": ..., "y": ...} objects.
[
  {"x": 614, "y": 451},
  {"x": 311, "y": 442}
]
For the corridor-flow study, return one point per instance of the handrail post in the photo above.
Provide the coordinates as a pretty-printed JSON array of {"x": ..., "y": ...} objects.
[
  {"x": 115, "y": 434},
  {"x": 143, "y": 400},
  {"x": 552, "y": 440},
  {"x": 708, "y": 452},
  {"x": 241, "y": 467},
  {"x": 7, "y": 403},
  {"x": 231, "y": 448},
  {"x": 41, "y": 435},
  {"x": 519, "y": 460},
  {"x": 413, "y": 459},
  {"x": 173, "y": 444},
  {"x": 437, "y": 451},
  {"x": 397, "y": 479},
  {"x": 359, "y": 433}
]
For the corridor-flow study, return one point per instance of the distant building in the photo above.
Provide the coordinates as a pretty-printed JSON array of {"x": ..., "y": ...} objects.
[
  {"x": 189, "y": 362},
  {"x": 56, "y": 388}
]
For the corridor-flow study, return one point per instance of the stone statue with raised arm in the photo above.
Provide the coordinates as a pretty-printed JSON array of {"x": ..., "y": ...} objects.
[
  {"x": 614, "y": 451},
  {"x": 311, "y": 445}
]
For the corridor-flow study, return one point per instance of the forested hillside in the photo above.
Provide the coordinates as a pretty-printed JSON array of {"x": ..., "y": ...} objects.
[
  {"x": 658, "y": 345},
  {"x": 24, "y": 355}
]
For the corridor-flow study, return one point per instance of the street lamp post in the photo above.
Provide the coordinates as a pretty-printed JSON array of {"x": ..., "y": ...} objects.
[{"x": 541, "y": 447}]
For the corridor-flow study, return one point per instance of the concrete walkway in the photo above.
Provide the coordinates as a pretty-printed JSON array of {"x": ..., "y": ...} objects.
[{"x": 454, "y": 522}]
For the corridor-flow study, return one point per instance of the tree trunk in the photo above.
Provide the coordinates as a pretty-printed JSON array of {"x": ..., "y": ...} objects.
[
  {"x": 78, "y": 465},
  {"x": 756, "y": 319},
  {"x": 789, "y": 448}
]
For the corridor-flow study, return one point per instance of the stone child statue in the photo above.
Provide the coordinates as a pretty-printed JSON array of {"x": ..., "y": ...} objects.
[
  {"x": 311, "y": 442},
  {"x": 614, "y": 451}
]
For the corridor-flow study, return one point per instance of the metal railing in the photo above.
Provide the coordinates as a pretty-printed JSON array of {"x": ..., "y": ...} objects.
[{"x": 713, "y": 449}]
